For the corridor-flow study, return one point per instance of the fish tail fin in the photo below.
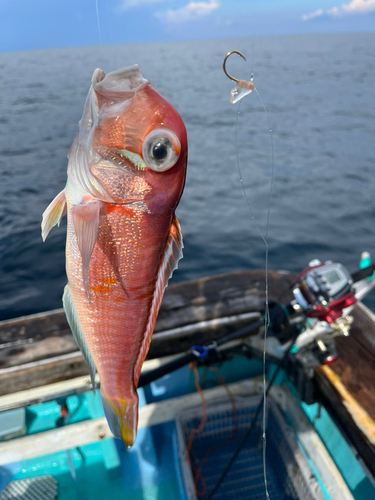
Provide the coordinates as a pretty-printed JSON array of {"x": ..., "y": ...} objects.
[{"x": 122, "y": 417}]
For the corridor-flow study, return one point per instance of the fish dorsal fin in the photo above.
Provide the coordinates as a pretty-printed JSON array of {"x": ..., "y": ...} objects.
[
  {"x": 53, "y": 214},
  {"x": 77, "y": 334},
  {"x": 172, "y": 254},
  {"x": 86, "y": 221}
]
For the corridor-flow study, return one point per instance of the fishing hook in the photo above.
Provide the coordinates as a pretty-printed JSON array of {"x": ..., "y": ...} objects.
[{"x": 224, "y": 64}]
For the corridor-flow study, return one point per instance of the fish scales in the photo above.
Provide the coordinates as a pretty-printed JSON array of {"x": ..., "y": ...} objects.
[
  {"x": 126, "y": 174},
  {"x": 122, "y": 278}
]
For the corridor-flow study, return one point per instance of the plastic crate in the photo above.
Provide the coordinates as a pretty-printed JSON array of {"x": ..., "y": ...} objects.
[{"x": 289, "y": 477}]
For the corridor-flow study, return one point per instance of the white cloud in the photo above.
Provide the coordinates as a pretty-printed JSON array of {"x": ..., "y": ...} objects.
[
  {"x": 354, "y": 7},
  {"x": 128, "y": 4},
  {"x": 317, "y": 13},
  {"x": 193, "y": 10},
  {"x": 334, "y": 12}
]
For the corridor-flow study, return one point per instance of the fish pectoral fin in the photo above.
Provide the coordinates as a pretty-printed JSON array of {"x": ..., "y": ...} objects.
[
  {"x": 53, "y": 214},
  {"x": 86, "y": 222},
  {"x": 77, "y": 334},
  {"x": 172, "y": 254}
]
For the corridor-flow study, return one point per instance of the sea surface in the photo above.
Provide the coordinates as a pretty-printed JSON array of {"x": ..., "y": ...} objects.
[{"x": 320, "y": 95}]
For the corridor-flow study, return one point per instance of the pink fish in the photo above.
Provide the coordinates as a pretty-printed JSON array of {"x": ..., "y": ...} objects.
[{"x": 126, "y": 174}]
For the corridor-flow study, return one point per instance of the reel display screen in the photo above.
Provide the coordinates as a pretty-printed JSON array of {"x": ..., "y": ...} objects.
[
  {"x": 331, "y": 277},
  {"x": 322, "y": 284}
]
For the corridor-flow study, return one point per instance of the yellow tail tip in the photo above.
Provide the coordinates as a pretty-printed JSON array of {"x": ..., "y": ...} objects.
[{"x": 122, "y": 417}]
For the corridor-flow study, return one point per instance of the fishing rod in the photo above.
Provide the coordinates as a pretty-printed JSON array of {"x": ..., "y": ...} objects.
[
  {"x": 208, "y": 353},
  {"x": 196, "y": 353}
]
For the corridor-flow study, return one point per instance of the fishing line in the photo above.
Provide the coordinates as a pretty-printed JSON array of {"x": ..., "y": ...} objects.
[
  {"x": 267, "y": 313},
  {"x": 264, "y": 238},
  {"x": 99, "y": 31},
  {"x": 252, "y": 56},
  {"x": 253, "y": 422}
]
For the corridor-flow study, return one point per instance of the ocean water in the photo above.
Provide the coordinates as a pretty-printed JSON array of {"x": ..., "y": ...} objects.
[{"x": 319, "y": 93}]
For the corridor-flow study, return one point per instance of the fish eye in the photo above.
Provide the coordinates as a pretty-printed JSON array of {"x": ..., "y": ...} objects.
[{"x": 161, "y": 150}]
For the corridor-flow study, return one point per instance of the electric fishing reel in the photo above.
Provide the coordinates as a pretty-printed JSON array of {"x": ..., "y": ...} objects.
[
  {"x": 324, "y": 290},
  {"x": 304, "y": 330},
  {"x": 324, "y": 295}
]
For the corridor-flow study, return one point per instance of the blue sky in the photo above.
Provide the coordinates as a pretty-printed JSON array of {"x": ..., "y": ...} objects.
[{"x": 35, "y": 24}]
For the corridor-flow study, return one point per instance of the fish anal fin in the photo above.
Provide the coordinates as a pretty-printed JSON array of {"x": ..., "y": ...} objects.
[
  {"x": 53, "y": 214},
  {"x": 172, "y": 254},
  {"x": 77, "y": 334},
  {"x": 86, "y": 221}
]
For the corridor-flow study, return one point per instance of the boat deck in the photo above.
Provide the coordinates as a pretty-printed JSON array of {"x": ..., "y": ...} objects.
[{"x": 39, "y": 349}]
